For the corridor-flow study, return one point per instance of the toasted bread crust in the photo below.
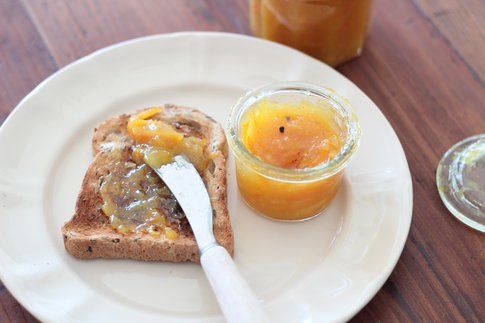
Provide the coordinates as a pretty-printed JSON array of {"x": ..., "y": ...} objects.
[{"x": 89, "y": 235}]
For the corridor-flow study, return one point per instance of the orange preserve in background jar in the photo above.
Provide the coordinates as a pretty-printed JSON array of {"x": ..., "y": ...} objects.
[
  {"x": 291, "y": 142},
  {"x": 330, "y": 30}
]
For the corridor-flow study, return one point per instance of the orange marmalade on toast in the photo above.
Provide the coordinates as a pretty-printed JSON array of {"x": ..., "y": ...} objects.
[
  {"x": 291, "y": 142},
  {"x": 135, "y": 199}
]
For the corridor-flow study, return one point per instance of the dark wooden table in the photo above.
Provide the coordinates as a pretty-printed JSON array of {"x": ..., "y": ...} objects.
[{"x": 423, "y": 66}]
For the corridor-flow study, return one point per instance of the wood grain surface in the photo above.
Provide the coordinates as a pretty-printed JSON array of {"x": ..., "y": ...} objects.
[{"x": 422, "y": 65}]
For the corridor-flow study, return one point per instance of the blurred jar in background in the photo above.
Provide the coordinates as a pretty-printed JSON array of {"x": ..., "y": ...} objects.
[{"x": 330, "y": 30}]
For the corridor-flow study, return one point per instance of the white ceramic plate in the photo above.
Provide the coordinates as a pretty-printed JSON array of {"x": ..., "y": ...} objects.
[{"x": 325, "y": 269}]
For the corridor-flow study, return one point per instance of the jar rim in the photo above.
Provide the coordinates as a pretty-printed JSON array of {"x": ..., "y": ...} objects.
[{"x": 320, "y": 171}]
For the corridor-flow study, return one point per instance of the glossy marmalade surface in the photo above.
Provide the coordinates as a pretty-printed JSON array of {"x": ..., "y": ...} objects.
[
  {"x": 291, "y": 135},
  {"x": 134, "y": 197},
  {"x": 159, "y": 141},
  {"x": 330, "y": 30},
  {"x": 136, "y": 200}
]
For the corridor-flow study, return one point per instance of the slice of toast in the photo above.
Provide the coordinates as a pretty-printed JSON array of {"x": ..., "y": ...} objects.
[{"x": 89, "y": 234}]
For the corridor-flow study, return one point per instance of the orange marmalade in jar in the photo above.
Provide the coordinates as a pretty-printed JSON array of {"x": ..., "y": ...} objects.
[
  {"x": 291, "y": 142},
  {"x": 330, "y": 30}
]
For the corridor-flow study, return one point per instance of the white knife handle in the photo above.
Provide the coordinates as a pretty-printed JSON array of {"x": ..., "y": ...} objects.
[{"x": 236, "y": 299}]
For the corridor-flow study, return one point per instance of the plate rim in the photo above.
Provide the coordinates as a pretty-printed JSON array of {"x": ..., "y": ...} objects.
[{"x": 10, "y": 284}]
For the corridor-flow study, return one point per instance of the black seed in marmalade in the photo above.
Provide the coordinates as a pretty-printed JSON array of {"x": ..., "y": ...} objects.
[{"x": 282, "y": 129}]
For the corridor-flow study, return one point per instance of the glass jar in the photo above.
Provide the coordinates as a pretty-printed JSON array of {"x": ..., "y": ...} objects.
[
  {"x": 292, "y": 194},
  {"x": 330, "y": 30}
]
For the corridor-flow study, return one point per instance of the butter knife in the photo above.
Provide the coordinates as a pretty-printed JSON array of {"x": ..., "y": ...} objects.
[{"x": 237, "y": 301}]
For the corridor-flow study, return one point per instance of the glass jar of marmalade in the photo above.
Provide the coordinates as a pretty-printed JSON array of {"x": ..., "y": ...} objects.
[
  {"x": 292, "y": 142},
  {"x": 330, "y": 30}
]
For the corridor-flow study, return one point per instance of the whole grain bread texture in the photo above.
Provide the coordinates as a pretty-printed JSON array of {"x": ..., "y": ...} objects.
[{"x": 89, "y": 235}]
